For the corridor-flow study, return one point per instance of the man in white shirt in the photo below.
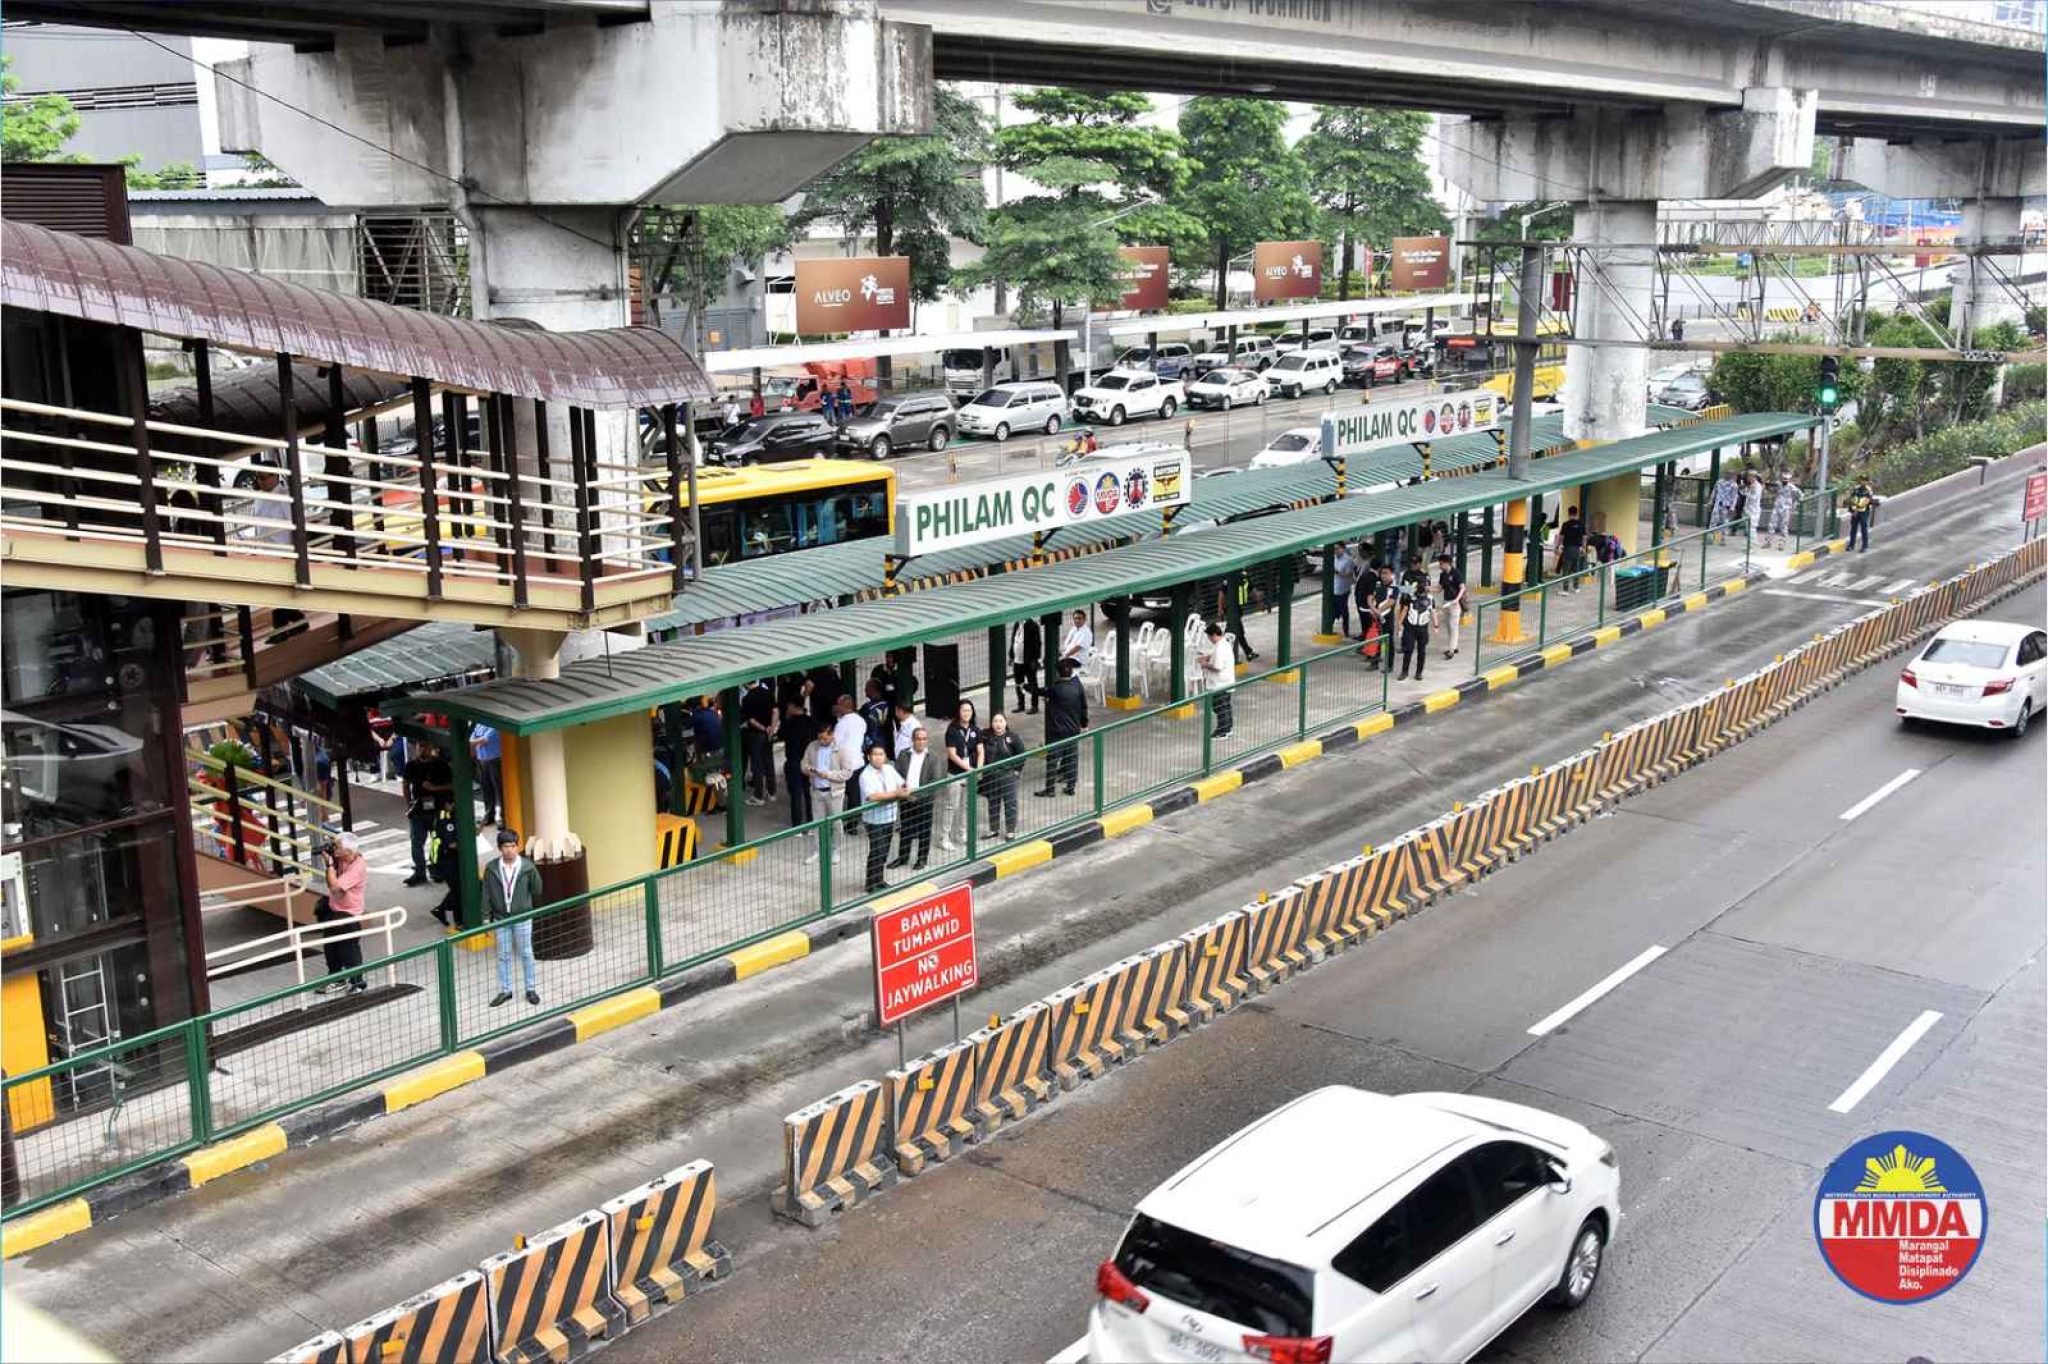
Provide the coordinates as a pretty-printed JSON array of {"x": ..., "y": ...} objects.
[
  {"x": 881, "y": 789},
  {"x": 1218, "y": 663},
  {"x": 1078, "y": 642},
  {"x": 918, "y": 767},
  {"x": 849, "y": 734},
  {"x": 907, "y": 725}
]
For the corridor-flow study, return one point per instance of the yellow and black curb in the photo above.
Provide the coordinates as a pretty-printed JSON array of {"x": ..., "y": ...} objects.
[{"x": 1113, "y": 1016}]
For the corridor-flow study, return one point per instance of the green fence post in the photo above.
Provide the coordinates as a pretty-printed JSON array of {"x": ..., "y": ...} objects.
[
  {"x": 973, "y": 811},
  {"x": 1284, "y": 608},
  {"x": 735, "y": 761},
  {"x": 1301, "y": 698},
  {"x": 468, "y": 877},
  {"x": 1543, "y": 615},
  {"x": 825, "y": 828},
  {"x": 198, "y": 1090},
  {"x": 998, "y": 671},
  {"x": 1123, "y": 649},
  {"x": 653, "y": 902},
  {"x": 444, "y": 985},
  {"x": 1202, "y": 717},
  {"x": 1095, "y": 737}
]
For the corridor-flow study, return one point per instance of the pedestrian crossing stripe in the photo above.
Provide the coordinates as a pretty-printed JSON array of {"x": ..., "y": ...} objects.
[{"x": 1864, "y": 584}]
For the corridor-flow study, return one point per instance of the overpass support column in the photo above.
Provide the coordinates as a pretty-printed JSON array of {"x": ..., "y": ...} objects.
[
  {"x": 1977, "y": 299},
  {"x": 1614, "y": 507},
  {"x": 1606, "y": 387}
]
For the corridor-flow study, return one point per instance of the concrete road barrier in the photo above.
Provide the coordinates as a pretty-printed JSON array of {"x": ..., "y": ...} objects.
[
  {"x": 552, "y": 1299},
  {"x": 326, "y": 1348},
  {"x": 448, "y": 1324},
  {"x": 1215, "y": 957},
  {"x": 1012, "y": 1068},
  {"x": 833, "y": 1155},
  {"x": 661, "y": 1246},
  {"x": 931, "y": 1107}
]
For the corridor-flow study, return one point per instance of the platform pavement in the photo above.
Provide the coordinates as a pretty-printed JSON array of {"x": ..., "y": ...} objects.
[{"x": 322, "y": 1236}]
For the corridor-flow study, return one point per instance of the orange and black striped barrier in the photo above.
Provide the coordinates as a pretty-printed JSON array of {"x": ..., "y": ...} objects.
[
  {"x": 931, "y": 1107},
  {"x": 1085, "y": 1040},
  {"x": 448, "y": 1324},
  {"x": 553, "y": 1297},
  {"x": 1012, "y": 1067},
  {"x": 1215, "y": 956},
  {"x": 1158, "y": 996},
  {"x": 833, "y": 1155},
  {"x": 661, "y": 1244},
  {"x": 1273, "y": 948}
]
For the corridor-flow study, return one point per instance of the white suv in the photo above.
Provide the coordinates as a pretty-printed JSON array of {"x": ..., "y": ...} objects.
[
  {"x": 1296, "y": 372},
  {"x": 1357, "y": 1226},
  {"x": 1125, "y": 393}
]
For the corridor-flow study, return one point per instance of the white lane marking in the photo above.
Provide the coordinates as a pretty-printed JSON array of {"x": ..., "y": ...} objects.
[
  {"x": 1886, "y": 1059},
  {"x": 1835, "y": 580},
  {"x": 1864, "y": 584},
  {"x": 1073, "y": 1354},
  {"x": 1556, "y": 1020},
  {"x": 1824, "y": 596},
  {"x": 1900, "y": 588},
  {"x": 1809, "y": 575},
  {"x": 1880, "y": 793}
]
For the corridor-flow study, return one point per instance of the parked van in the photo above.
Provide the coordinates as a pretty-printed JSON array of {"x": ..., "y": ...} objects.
[{"x": 1006, "y": 409}]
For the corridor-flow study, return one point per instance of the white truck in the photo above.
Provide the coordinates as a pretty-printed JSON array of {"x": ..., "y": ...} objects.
[{"x": 1122, "y": 394}]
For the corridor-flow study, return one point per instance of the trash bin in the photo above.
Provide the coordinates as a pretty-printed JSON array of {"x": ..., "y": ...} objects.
[{"x": 1638, "y": 586}]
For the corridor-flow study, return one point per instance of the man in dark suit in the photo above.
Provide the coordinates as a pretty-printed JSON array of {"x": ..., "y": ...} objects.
[
  {"x": 919, "y": 769},
  {"x": 1066, "y": 716},
  {"x": 512, "y": 886}
]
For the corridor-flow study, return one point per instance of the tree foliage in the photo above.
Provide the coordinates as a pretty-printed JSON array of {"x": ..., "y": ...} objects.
[
  {"x": 176, "y": 175},
  {"x": 1366, "y": 173},
  {"x": 1247, "y": 185},
  {"x": 710, "y": 242},
  {"x": 36, "y": 128},
  {"x": 913, "y": 193},
  {"x": 1778, "y": 383}
]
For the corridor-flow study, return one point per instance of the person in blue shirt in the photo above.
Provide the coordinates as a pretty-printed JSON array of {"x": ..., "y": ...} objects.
[
  {"x": 488, "y": 751},
  {"x": 707, "y": 726}
]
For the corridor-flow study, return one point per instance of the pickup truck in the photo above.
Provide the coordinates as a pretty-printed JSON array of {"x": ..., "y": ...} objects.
[{"x": 1121, "y": 394}]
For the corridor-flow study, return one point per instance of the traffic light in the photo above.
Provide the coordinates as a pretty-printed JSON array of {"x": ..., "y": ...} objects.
[{"x": 1829, "y": 394}]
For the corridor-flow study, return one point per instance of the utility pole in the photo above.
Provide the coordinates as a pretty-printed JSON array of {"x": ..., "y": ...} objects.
[{"x": 1527, "y": 303}]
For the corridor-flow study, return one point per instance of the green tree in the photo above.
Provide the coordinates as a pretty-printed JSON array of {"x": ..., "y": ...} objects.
[
  {"x": 36, "y": 128},
  {"x": 913, "y": 193},
  {"x": 1752, "y": 382},
  {"x": 1247, "y": 184},
  {"x": 1366, "y": 174},
  {"x": 1055, "y": 250},
  {"x": 176, "y": 175},
  {"x": 266, "y": 173},
  {"x": 1092, "y": 149},
  {"x": 699, "y": 244}
]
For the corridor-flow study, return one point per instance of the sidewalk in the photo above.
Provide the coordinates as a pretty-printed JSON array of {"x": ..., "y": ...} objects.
[{"x": 249, "y": 1265}]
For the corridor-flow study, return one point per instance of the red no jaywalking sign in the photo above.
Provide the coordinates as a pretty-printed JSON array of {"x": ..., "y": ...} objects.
[
  {"x": 924, "y": 953},
  {"x": 2037, "y": 498}
]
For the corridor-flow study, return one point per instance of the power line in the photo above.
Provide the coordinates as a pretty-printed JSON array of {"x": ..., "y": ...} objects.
[{"x": 471, "y": 190}]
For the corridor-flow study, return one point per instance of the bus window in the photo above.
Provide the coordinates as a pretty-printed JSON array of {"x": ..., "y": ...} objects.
[
  {"x": 870, "y": 515},
  {"x": 721, "y": 535},
  {"x": 765, "y": 529}
]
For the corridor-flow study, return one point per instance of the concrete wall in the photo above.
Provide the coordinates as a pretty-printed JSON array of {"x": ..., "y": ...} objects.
[
  {"x": 611, "y": 795},
  {"x": 71, "y": 61}
]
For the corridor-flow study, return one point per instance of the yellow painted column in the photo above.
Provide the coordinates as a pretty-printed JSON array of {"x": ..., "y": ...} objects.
[
  {"x": 512, "y": 775},
  {"x": 1514, "y": 571},
  {"x": 609, "y": 768},
  {"x": 1615, "y": 508}
]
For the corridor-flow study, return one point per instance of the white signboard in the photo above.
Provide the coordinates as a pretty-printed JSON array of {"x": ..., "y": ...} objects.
[
  {"x": 1092, "y": 490},
  {"x": 1409, "y": 421}
]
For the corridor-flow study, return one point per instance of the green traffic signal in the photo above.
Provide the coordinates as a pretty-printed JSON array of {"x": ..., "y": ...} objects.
[{"x": 1829, "y": 394}]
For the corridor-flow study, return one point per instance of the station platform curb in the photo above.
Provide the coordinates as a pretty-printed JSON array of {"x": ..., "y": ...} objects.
[{"x": 254, "y": 1147}]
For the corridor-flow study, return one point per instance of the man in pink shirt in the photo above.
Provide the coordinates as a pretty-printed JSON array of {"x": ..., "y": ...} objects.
[{"x": 347, "y": 875}]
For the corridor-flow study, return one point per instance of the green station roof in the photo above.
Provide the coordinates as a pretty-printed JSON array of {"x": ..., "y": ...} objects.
[
  {"x": 598, "y": 689},
  {"x": 425, "y": 653}
]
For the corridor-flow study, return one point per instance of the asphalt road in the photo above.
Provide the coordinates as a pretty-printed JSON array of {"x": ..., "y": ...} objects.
[
  {"x": 325, "y": 1236},
  {"x": 1798, "y": 943}
]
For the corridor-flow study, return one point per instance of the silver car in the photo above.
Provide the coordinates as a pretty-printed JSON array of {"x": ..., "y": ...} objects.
[{"x": 1017, "y": 408}]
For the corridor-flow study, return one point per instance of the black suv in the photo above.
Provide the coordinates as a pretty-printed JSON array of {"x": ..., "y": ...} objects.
[{"x": 773, "y": 439}]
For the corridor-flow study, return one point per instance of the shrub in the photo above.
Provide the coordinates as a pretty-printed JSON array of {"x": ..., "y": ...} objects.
[{"x": 1943, "y": 453}]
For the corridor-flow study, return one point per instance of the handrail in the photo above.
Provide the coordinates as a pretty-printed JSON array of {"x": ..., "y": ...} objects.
[
  {"x": 292, "y": 941},
  {"x": 209, "y": 761},
  {"x": 285, "y": 888}
]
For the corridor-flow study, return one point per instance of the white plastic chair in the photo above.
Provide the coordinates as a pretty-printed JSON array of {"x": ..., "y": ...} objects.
[
  {"x": 1094, "y": 675},
  {"x": 1158, "y": 653}
]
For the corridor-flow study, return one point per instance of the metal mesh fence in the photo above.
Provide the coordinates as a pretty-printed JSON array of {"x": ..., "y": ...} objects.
[
  {"x": 568, "y": 955},
  {"x": 98, "y": 1114}
]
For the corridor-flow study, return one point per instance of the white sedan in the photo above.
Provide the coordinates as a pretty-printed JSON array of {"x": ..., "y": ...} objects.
[
  {"x": 1301, "y": 1241},
  {"x": 1228, "y": 387},
  {"x": 1988, "y": 674},
  {"x": 1296, "y": 445}
]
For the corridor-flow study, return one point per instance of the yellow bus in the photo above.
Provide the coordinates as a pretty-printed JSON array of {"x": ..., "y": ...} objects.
[{"x": 752, "y": 512}]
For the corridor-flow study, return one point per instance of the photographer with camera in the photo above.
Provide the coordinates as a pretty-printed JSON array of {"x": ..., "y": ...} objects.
[{"x": 347, "y": 875}]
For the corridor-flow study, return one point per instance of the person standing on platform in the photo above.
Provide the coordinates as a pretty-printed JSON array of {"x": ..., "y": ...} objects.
[
  {"x": 1415, "y": 617},
  {"x": 1002, "y": 757},
  {"x": 1344, "y": 578},
  {"x": 1862, "y": 501},
  {"x": 1066, "y": 716},
  {"x": 1727, "y": 497},
  {"x": 757, "y": 740},
  {"x": 342, "y": 905},
  {"x": 798, "y": 731},
  {"x": 962, "y": 755},
  {"x": 1027, "y": 654},
  {"x": 1219, "y": 672},
  {"x": 1450, "y": 596},
  {"x": 488, "y": 751},
  {"x": 1571, "y": 551},
  {"x": 881, "y": 791},
  {"x": 512, "y": 886},
  {"x": 429, "y": 783},
  {"x": 1753, "y": 505},
  {"x": 1077, "y": 643},
  {"x": 1783, "y": 507},
  {"x": 919, "y": 768}
]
